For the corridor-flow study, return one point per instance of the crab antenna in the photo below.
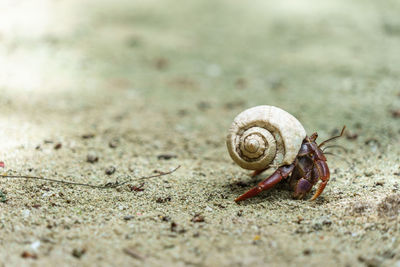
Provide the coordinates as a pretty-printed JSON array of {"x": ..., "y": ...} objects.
[
  {"x": 334, "y": 146},
  {"x": 333, "y": 138},
  {"x": 340, "y": 157}
]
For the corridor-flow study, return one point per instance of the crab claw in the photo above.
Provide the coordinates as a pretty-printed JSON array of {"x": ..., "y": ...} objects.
[
  {"x": 321, "y": 188},
  {"x": 322, "y": 168}
]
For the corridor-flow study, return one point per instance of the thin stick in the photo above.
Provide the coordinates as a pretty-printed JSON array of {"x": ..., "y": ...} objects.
[{"x": 108, "y": 185}]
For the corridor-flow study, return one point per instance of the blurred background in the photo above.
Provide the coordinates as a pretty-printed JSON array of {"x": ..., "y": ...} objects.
[
  {"x": 169, "y": 77},
  {"x": 333, "y": 59}
]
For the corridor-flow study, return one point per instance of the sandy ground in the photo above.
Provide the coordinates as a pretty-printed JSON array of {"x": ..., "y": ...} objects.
[{"x": 161, "y": 77}]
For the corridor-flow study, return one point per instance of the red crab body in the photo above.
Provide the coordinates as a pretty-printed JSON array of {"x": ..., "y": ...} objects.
[{"x": 308, "y": 168}]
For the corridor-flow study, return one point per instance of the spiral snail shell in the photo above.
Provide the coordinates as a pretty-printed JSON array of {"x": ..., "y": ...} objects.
[{"x": 264, "y": 136}]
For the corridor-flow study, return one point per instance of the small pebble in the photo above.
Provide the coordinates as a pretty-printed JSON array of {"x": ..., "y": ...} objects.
[
  {"x": 113, "y": 143},
  {"x": 27, "y": 255},
  {"x": 163, "y": 200},
  {"x": 165, "y": 218},
  {"x": 78, "y": 253},
  {"x": 351, "y": 135},
  {"x": 161, "y": 63},
  {"x": 198, "y": 218},
  {"x": 35, "y": 245},
  {"x": 166, "y": 156},
  {"x": 110, "y": 170},
  {"x": 208, "y": 209},
  {"x": 57, "y": 146},
  {"x": 396, "y": 113},
  {"x": 87, "y": 135},
  {"x": 128, "y": 217},
  {"x": 92, "y": 157}
]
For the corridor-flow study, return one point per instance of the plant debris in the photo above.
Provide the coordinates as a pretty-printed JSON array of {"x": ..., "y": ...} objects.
[
  {"x": 107, "y": 185},
  {"x": 28, "y": 255},
  {"x": 133, "y": 253},
  {"x": 88, "y": 135},
  {"x": 136, "y": 188}
]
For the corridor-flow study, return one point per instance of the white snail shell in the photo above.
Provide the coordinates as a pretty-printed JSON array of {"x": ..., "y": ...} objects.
[{"x": 264, "y": 136}]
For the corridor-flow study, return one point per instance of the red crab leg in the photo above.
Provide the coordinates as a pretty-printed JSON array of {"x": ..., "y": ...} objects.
[
  {"x": 271, "y": 181},
  {"x": 324, "y": 175}
]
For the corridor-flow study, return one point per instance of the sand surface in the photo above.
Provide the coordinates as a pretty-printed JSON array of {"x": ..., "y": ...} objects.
[{"x": 128, "y": 81}]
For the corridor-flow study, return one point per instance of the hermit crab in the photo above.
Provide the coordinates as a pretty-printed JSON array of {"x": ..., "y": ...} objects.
[{"x": 263, "y": 137}]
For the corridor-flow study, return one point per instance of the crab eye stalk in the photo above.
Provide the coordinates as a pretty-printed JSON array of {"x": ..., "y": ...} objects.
[{"x": 313, "y": 137}]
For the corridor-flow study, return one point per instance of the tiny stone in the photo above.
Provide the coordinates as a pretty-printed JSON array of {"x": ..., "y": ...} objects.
[
  {"x": 27, "y": 254},
  {"x": 163, "y": 200},
  {"x": 368, "y": 174},
  {"x": 87, "y": 135},
  {"x": 351, "y": 135},
  {"x": 198, "y": 218},
  {"x": 166, "y": 156},
  {"x": 110, "y": 170},
  {"x": 92, "y": 157},
  {"x": 165, "y": 218},
  {"x": 128, "y": 217},
  {"x": 327, "y": 222},
  {"x": 78, "y": 253},
  {"x": 161, "y": 63},
  {"x": 208, "y": 209},
  {"x": 57, "y": 146},
  {"x": 113, "y": 143},
  {"x": 396, "y": 113}
]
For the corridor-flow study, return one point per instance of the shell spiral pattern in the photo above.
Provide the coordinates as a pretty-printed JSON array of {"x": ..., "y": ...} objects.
[{"x": 264, "y": 136}]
